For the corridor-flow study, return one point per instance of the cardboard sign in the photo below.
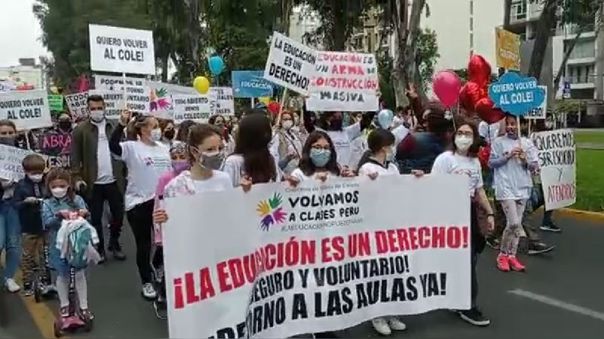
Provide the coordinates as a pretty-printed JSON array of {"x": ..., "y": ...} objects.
[
  {"x": 558, "y": 164},
  {"x": 315, "y": 258},
  {"x": 10, "y": 162},
  {"x": 114, "y": 102},
  {"x": 515, "y": 94},
  {"x": 27, "y": 109},
  {"x": 57, "y": 147},
  {"x": 160, "y": 100},
  {"x": 121, "y": 50},
  {"x": 541, "y": 111},
  {"x": 344, "y": 82},
  {"x": 221, "y": 101},
  {"x": 77, "y": 104},
  {"x": 507, "y": 45},
  {"x": 191, "y": 107},
  {"x": 136, "y": 91},
  {"x": 55, "y": 102},
  {"x": 250, "y": 84},
  {"x": 290, "y": 64}
]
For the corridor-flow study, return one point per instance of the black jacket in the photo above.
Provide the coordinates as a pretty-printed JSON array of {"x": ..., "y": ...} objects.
[{"x": 30, "y": 214}]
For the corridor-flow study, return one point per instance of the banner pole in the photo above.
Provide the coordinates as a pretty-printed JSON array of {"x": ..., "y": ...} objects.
[
  {"x": 124, "y": 89},
  {"x": 27, "y": 142},
  {"x": 253, "y": 104},
  {"x": 281, "y": 106}
]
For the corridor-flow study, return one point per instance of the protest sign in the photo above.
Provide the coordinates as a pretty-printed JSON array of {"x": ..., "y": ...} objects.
[
  {"x": 55, "y": 102},
  {"x": 515, "y": 94},
  {"x": 10, "y": 162},
  {"x": 114, "y": 102},
  {"x": 191, "y": 107},
  {"x": 57, "y": 147},
  {"x": 507, "y": 46},
  {"x": 250, "y": 84},
  {"x": 160, "y": 100},
  {"x": 290, "y": 64},
  {"x": 136, "y": 90},
  {"x": 27, "y": 109},
  {"x": 77, "y": 104},
  {"x": 558, "y": 163},
  {"x": 344, "y": 82},
  {"x": 7, "y": 85},
  {"x": 121, "y": 50},
  {"x": 221, "y": 101},
  {"x": 541, "y": 111},
  {"x": 318, "y": 257}
]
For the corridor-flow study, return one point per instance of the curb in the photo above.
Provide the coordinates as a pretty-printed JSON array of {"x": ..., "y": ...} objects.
[{"x": 580, "y": 214}]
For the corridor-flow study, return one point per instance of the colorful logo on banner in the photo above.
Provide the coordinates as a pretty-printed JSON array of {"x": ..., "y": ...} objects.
[
  {"x": 159, "y": 100},
  {"x": 251, "y": 84},
  {"x": 515, "y": 94},
  {"x": 271, "y": 212}
]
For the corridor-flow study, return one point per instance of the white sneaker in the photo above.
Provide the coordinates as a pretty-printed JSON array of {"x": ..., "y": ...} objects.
[
  {"x": 381, "y": 326},
  {"x": 395, "y": 324},
  {"x": 12, "y": 286},
  {"x": 149, "y": 291}
]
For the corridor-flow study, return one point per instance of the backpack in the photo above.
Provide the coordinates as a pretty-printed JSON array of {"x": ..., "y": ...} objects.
[{"x": 77, "y": 250}]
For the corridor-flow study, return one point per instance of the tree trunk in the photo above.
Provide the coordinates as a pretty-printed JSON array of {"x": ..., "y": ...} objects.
[
  {"x": 411, "y": 43},
  {"x": 545, "y": 24},
  {"x": 338, "y": 31},
  {"x": 287, "y": 7},
  {"x": 164, "y": 67},
  {"x": 398, "y": 11}
]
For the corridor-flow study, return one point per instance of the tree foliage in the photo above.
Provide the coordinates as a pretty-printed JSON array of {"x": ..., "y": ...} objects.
[{"x": 427, "y": 55}]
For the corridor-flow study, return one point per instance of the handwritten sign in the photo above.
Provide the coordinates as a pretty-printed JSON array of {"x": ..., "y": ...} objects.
[
  {"x": 541, "y": 111},
  {"x": 77, "y": 104},
  {"x": 344, "y": 82},
  {"x": 57, "y": 147},
  {"x": 290, "y": 64},
  {"x": 136, "y": 90},
  {"x": 114, "y": 102},
  {"x": 10, "y": 162},
  {"x": 191, "y": 107},
  {"x": 221, "y": 101}
]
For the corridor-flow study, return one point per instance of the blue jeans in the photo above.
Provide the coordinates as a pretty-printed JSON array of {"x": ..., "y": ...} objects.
[{"x": 10, "y": 237}]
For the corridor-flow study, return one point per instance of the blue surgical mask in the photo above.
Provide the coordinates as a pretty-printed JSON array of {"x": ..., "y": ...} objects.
[{"x": 320, "y": 157}]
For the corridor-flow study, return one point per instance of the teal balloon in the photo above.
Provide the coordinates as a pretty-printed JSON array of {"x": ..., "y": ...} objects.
[
  {"x": 385, "y": 118},
  {"x": 216, "y": 65}
]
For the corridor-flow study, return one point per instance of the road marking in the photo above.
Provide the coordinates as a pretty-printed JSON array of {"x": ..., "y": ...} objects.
[{"x": 559, "y": 304}]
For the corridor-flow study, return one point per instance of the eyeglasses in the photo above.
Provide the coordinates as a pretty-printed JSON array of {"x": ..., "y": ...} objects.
[
  {"x": 321, "y": 148},
  {"x": 465, "y": 133}
]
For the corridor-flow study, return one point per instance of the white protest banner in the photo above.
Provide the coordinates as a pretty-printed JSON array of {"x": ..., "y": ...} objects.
[
  {"x": 137, "y": 90},
  {"x": 191, "y": 107},
  {"x": 114, "y": 102},
  {"x": 7, "y": 85},
  {"x": 10, "y": 162},
  {"x": 77, "y": 104},
  {"x": 221, "y": 101},
  {"x": 290, "y": 64},
  {"x": 541, "y": 111},
  {"x": 160, "y": 100},
  {"x": 27, "y": 109},
  {"x": 121, "y": 50},
  {"x": 558, "y": 164},
  {"x": 319, "y": 257},
  {"x": 344, "y": 82}
]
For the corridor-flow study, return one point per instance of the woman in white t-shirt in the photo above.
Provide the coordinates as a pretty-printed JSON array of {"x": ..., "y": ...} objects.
[
  {"x": 318, "y": 160},
  {"x": 512, "y": 159},
  {"x": 381, "y": 144},
  {"x": 286, "y": 145},
  {"x": 463, "y": 160},
  {"x": 252, "y": 162},
  {"x": 146, "y": 159}
]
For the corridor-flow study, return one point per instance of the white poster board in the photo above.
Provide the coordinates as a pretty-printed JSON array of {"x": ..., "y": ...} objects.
[
  {"x": 114, "y": 102},
  {"x": 121, "y": 50},
  {"x": 10, "y": 162},
  {"x": 303, "y": 240},
  {"x": 221, "y": 101},
  {"x": 541, "y": 111},
  {"x": 77, "y": 104},
  {"x": 27, "y": 109},
  {"x": 558, "y": 164},
  {"x": 136, "y": 90},
  {"x": 290, "y": 64},
  {"x": 344, "y": 82},
  {"x": 160, "y": 100},
  {"x": 191, "y": 107}
]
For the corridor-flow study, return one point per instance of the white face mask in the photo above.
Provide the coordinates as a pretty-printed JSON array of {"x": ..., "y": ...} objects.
[
  {"x": 463, "y": 142},
  {"x": 35, "y": 177},
  {"x": 97, "y": 116},
  {"x": 287, "y": 124},
  {"x": 58, "y": 192},
  {"x": 156, "y": 134}
]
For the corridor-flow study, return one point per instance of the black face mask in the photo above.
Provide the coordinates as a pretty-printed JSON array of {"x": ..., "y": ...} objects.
[
  {"x": 169, "y": 134},
  {"x": 336, "y": 124},
  {"x": 8, "y": 141},
  {"x": 65, "y": 125}
]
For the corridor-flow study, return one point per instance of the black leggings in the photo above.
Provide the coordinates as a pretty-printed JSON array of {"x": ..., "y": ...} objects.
[{"x": 140, "y": 219}]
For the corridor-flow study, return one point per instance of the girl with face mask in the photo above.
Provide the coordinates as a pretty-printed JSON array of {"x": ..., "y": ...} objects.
[
  {"x": 462, "y": 159},
  {"x": 513, "y": 159},
  {"x": 318, "y": 160},
  {"x": 380, "y": 160},
  {"x": 146, "y": 159},
  {"x": 168, "y": 131},
  {"x": 286, "y": 145}
]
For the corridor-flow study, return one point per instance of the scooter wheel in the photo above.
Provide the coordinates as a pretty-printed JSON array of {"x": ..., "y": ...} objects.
[{"x": 57, "y": 330}]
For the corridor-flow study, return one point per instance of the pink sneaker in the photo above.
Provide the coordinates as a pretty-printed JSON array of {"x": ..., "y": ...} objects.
[
  {"x": 503, "y": 263},
  {"x": 516, "y": 265}
]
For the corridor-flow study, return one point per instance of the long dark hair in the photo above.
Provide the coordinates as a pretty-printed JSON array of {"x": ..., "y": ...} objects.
[
  {"x": 476, "y": 142},
  {"x": 307, "y": 166},
  {"x": 183, "y": 130},
  {"x": 253, "y": 138}
]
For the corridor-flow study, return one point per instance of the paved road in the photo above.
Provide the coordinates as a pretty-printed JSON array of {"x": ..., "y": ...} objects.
[{"x": 560, "y": 297}]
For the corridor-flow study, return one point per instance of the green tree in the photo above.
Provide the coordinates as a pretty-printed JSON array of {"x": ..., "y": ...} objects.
[{"x": 427, "y": 55}]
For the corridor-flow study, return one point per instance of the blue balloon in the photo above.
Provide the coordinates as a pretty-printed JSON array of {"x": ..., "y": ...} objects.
[
  {"x": 385, "y": 118},
  {"x": 216, "y": 65}
]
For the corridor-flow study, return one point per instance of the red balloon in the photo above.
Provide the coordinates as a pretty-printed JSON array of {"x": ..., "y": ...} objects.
[
  {"x": 273, "y": 107},
  {"x": 474, "y": 96}
]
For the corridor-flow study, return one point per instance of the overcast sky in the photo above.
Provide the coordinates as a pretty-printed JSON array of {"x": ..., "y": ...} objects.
[{"x": 19, "y": 32}]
